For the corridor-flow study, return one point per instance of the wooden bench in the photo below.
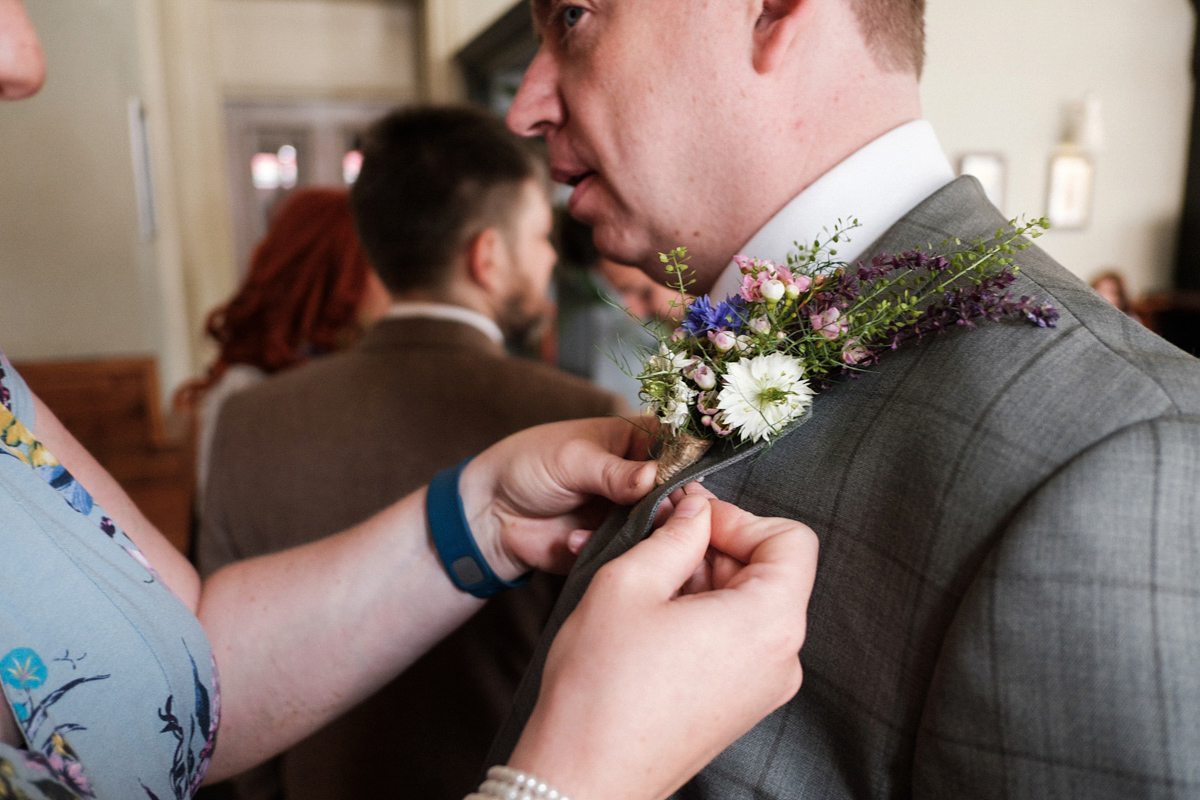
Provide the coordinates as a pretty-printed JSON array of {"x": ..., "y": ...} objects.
[{"x": 113, "y": 407}]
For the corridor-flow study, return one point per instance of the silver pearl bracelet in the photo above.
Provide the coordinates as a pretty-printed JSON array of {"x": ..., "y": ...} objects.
[{"x": 506, "y": 783}]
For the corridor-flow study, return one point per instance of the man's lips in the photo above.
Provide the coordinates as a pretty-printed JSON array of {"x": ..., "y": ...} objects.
[
  {"x": 576, "y": 201},
  {"x": 571, "y": 178},
  {"x": 579, "y": 180}
]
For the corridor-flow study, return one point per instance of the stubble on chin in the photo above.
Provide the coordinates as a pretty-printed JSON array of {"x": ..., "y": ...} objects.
[{"x": 524, "y": 328}]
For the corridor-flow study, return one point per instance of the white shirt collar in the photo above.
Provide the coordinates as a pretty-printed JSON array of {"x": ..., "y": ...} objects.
[
  {"x": 877, "y": 185},
  {"x": 450, "y": 313}
]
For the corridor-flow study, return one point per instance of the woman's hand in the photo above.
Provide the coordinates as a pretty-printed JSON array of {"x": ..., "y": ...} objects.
[
  {"x": 372, "y": 599},
  {"x": 645, "y": 684},
  {"x": 534, "y": 498}
]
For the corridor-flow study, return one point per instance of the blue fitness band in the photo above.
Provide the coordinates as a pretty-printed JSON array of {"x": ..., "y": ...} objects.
[{"x": 465, "y": 565}]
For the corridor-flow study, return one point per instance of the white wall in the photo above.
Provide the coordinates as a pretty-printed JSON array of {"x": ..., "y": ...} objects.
[{"x": 998, "y": 76}]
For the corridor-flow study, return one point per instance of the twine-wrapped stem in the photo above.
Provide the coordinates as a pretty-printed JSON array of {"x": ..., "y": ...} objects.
[{"x": 678, "y": 453}]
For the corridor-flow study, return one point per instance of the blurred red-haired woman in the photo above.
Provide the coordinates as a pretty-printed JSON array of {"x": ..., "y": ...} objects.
[{"x": 309, "y": 291}]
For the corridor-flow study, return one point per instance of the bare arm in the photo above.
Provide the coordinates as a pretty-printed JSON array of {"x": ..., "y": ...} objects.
[
  {"x": 302, "y": 635},
  {"x": 175, "y": 571}
]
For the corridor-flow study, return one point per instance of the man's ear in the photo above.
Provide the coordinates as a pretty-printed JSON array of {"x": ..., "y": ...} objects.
[
  {"x": 775, "y": 31},
  {"x": 487, "y": 259}
]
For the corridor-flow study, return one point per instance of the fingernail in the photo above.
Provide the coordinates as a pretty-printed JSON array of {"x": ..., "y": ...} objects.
[
  {"x": 638, "y": 473},
  {"x": 577, "y": 539},
  {"x": 690, "y": 506}
]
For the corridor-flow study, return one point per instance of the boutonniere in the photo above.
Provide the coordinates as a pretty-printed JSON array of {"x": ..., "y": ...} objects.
[{"x": 745, "y": 367}]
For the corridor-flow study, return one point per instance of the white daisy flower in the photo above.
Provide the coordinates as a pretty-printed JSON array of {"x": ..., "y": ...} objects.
[
  {"x": 668, "y": 361},
  {"x": 676, "y": 406},
  {"x": 762, "y": 395}
]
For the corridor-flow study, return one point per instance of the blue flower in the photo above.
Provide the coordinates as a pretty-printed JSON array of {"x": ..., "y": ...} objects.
[
  {"x": 702, "y": 316},
  {"x": 22, "y": 711},
  {"x": 23, "y": 669}
]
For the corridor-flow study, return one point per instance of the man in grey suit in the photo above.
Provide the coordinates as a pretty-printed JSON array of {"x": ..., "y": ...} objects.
[
  {"x": 454, "y": 214},
  {"x": 1008, "y": 597}
]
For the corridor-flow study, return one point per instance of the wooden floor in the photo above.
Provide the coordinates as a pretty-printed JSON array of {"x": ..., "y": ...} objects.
[{"x": 113, "y": 407}]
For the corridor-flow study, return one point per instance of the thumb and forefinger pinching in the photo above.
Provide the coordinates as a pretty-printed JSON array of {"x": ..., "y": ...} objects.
[{"x": 663, "y": 562}]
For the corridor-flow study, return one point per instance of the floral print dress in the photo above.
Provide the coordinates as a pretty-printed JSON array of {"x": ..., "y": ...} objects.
[{"x": 109, "y": 676}]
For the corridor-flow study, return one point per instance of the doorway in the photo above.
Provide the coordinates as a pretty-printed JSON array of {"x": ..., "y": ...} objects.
[{"x": 276, "y": 147}]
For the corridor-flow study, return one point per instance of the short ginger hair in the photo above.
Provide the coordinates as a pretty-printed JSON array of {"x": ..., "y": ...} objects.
[{"x": 894, "y": 31}]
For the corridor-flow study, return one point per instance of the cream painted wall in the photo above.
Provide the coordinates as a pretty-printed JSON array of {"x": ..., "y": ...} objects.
[
  {"x": 448, "y": 25},
  {"x": 218, "y": 50},
  {"x": 475, "y": 15},
  {"x": 998, "y": 77},
  {"x": 78, "y": 279},
  {"x": 71, "y": 250},
  {"x": 316, "y": 48}
]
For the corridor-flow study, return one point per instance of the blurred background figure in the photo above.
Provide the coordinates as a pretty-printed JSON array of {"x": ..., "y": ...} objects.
[
  {"x": 1110, "y": 285},
  {"x": 454, "y": 213},
  {"x": 310, "y": 291},
  {"x": 607, "y": 313}
]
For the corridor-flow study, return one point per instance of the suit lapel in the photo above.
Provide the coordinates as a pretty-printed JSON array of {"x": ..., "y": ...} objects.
[
  {"x": 923, "y": 227},
  {"x": 624, "y": 528}
]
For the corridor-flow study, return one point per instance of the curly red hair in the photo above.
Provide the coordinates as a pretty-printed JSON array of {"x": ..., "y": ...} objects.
[{"x": 301, "y": 295}]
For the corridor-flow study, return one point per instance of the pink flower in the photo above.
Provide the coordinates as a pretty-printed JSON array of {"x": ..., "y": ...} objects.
[
  {"x": 707, "y": 404},
  {"x": 760, "y": 325},
  {"x": 703, "y": 376},
  {"x": 798, "y": 284},
  {"x": 828, "y": 323},
  {"x": 754, "y": 274},
  {"x": 678, "y": 336},
  {"x": 720, "y": 426},
  {"x": 723, "y": 340},
  {"x": 750, "y": 289},
  {"x": 854, "y": 353}
]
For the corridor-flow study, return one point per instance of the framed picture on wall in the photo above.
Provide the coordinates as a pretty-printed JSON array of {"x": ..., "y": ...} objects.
[
  {"x": 1069, "y": 205},
  {"x": 991, "y": 170}
]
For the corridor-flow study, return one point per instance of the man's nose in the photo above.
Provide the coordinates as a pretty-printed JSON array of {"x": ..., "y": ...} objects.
[
  {"x": 22, "y": 65},
  {"x": 538, "y": 108}
]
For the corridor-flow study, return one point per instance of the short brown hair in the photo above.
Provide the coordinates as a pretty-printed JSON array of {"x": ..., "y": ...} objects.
[
  {"x": 432, "y": 178},
  {"x": 895, "y": 32}
]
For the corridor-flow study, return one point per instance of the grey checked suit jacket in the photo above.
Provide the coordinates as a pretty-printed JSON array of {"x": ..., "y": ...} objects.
[{"x": 1008, "y": 596}]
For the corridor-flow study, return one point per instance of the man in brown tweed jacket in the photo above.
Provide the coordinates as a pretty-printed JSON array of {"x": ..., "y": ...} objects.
[
  {"x": 1008, "y": 597},
  {"x": 453, "y": 212}
]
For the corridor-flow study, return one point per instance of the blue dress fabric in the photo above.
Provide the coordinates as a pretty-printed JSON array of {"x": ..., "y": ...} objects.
[{"x": 109, "y": 674}]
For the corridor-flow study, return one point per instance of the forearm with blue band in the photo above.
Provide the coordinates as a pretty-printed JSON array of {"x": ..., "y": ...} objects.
[{"x": 464, "y": 563}]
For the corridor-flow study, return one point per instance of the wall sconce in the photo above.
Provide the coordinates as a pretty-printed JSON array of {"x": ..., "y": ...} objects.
[
  {"x": 1072, "y": 178},
  {"x": 1072, "y": 168}
]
